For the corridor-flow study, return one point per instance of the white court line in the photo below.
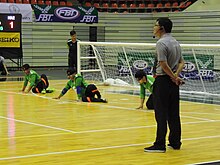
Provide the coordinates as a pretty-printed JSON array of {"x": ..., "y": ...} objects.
[
  {"x": 18, "y": 93},
  {"x": 41, "y": 125},
  {"x": 139, "y": 127},
  {"x": 36, "y": 95},
  {"x": 101, "y": 130},
  {"x": 71, "y": 151},
  {"x": 79, "y": 103},
  {"x": 97, "y": 149},
  {"x": 200, "y": 163},
  {"x": 117, "y": 129},
  {"x": 200, "y": 103},
  {"x": 202, "y": 113},
  {"x": 197, "y": 118}
]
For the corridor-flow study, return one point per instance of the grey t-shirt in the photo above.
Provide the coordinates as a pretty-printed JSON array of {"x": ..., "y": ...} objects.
[{"x": 169, "y": 50}]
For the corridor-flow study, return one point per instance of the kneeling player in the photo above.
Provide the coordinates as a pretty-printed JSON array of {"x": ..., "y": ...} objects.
[
  {"x": 38, "y": 84},
  {"x": 146, "y": 82},
  {"x": 85, "y": 92}
]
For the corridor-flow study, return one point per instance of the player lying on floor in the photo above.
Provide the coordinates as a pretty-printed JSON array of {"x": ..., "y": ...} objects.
[
  {"x": 38, "y": 84},
  {"x": 85, "y": 92}
]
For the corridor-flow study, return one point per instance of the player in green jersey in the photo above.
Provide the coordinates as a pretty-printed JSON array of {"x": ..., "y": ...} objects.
[
  {"x": 38, "y": 84},
  {"x": 85, "y": 92},
  {"x": 146, "y": 82}
]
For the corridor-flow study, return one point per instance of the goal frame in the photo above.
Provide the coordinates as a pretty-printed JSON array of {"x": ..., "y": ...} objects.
[{"x": 120, "y": 44}]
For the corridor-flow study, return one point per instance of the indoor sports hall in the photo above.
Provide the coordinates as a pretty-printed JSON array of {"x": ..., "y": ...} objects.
[{"x": 37, "y": 129}]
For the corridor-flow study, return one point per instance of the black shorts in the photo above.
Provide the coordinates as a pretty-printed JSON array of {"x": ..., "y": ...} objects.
[{"x": 43, "y": 84}]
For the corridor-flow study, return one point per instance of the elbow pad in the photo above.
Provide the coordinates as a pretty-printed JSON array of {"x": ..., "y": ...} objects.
[
  {"x": 78, "y": 90},
  {"x": 64, "y": 91}
]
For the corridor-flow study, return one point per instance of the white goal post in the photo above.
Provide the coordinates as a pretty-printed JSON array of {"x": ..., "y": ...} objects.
[{"x": 100, "y": 61}]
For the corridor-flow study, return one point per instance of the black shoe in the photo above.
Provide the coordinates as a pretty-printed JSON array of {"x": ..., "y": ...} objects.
[
  {"x": 155, "y": 149},
  {"x": 175, "y": 147},
  {"x": 105, "y": 101},
  {"x": 50, "y": 90}
]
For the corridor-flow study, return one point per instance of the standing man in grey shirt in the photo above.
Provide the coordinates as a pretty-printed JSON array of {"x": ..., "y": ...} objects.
[{"x": 169, "y": 63}]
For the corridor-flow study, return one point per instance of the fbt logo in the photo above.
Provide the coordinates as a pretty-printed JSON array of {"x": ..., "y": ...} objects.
[
  {"x": 140, "y": 64},
  {"x": 45, "y": 17},
  {"x": 67, "y": 13},
  {"x": 189, "y": 67},
  {"x": 88, "y": 18}
]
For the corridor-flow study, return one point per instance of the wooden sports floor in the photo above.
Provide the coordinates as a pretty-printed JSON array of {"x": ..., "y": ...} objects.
[{"x": 37, "y": 129}]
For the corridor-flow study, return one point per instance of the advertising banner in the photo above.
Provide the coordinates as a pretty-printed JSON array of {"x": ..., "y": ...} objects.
[
  {"x": 76, "y": 14},
  {"x": 8, "y": 40},
  {"x": 205, "y": 64},
  {"x": 13, "y": 8},
  {"x": 145, "y": 61}
]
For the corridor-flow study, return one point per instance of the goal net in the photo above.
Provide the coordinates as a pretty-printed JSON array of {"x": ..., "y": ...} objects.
[{"x": 117, "y": 63}]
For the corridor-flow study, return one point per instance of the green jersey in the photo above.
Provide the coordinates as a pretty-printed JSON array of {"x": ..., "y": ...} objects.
[
  {"x": 148, "y": 85},
  {"x": 33, "y": 78},
  {"x": 78, "y": 83}
]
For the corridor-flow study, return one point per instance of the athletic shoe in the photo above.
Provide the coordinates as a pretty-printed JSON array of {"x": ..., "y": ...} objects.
[
  {"x": 50, "y": 90},
  {"x": 155, "y": 149},
  {"x": 43, "y": 91},
  {"x": 174, "y": 147},
  {"x": 105, "y": 101}
]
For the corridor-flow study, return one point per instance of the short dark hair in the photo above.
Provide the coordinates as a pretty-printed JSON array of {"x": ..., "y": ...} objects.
[
  {"x": 70, "y": 71},
  {"x": 72, "y": 32},
  {"x": 166, "y": 23},
  {"x": 25, "y": 67},
  {"x": 140, "y": 74}
]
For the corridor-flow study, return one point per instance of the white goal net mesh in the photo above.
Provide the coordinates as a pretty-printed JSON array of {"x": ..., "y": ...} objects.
[{"x": 103, "y": 61}]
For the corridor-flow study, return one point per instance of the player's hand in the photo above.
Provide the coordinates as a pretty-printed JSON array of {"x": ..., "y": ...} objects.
[
  {"x": 56, "y": 97},
  {"x": 140, "y": 107},
  {"x": 24, "y": 92},
  {"x": 178, "y": 81}
]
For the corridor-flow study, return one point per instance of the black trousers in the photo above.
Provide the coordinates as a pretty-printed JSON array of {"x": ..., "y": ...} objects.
[
  {"x": 90, "y": 93},
  {"x": 72, "y": 61},
  {"x": 166, "y": 107},
  {"x": 150, "y": 103},
  {"x": 43, "y": 84}
]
